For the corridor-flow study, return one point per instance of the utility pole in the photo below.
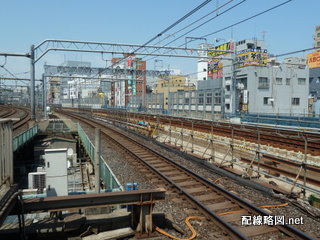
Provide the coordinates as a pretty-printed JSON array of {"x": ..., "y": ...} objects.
[
  {"x": 44, "y": 96},
  {"x": 168, "y": 101},
  {"x": 97, "y": 159},
  {"x": 32, "y": 83}
]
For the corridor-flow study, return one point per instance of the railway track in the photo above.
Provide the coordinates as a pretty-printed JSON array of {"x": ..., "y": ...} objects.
[
  {"x": 276, "y": 164},
  {"x": 299, "y": 140},
  {"x": 23, "y": 114},
  {"x": 7, "y": 111},
  {"x": 221, "y": 206}
]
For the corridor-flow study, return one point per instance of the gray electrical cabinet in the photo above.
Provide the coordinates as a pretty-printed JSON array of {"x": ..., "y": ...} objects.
[{"x": 56, "y": 172}]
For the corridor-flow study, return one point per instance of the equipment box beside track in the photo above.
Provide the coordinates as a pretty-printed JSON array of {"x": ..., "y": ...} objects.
[{"x": 314, "y": 200}]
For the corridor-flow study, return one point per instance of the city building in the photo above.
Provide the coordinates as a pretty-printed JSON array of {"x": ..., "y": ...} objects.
[
  {"x": 75, "y": 83},
  {"x": 158, "y": 101},
  {"x": 317, "y": 38},
  {"x": 125, "y": 86},
  {"x": 173, "y": 83},
  {"x": 53, "y": 94},
  {"x": 314, "y": 78},
  {"x": 252, "y": 82}
]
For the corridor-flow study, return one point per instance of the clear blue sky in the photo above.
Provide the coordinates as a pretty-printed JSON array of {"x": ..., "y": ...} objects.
[{"x": 23, "y": 23}]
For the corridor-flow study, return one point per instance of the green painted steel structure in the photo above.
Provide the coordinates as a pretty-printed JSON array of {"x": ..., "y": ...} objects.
[
  {"x": 106, "y": 173},
  {"x": 23, "y": 138}
]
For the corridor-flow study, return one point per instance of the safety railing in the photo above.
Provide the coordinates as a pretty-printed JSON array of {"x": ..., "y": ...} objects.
[{"x": 106, "y": 173}]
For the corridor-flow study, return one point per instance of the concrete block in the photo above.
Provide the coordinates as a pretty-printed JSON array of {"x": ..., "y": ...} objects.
[
  {"x": 73, "y": 222},
  {"x": 114, "y": 234}
]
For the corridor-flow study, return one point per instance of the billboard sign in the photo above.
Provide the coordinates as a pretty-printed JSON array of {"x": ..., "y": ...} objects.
[
  {"x": 314, "y": 60},
  {"x": 220, "y": 50},
  {"x": 252, "y": 57},
  {"x": 215, "y": 69}
]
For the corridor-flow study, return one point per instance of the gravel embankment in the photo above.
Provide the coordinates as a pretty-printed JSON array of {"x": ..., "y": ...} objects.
[{"x": 178, "y": 210}]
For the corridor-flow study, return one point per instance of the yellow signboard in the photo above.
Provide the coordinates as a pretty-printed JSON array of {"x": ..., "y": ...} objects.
[
  {"x": 252, "y": 58},
  {"x": 314, "y": 60},
  {"x": 221, "y": 49}
]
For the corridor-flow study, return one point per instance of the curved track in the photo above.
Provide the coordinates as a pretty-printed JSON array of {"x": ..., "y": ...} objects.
[
  {"x": 276, "y": 164},
  {"x": 216, "y": 203},
  {"x": 294, "y": 139},
  {"x": 23, "y": 114}
]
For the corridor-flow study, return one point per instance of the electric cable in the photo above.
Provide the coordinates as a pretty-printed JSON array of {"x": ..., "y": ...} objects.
[
  {"x": 209, "y": 20},
  {"x": 298, "y": 51},
  {"x": 161, "y": 33},
  {"x": 232, "y": 25},
  {"x": 176, "y": 23},
  {"x": 196, "y": 22},
  {"x": 244, "y": 210},
  {"x": 249, "y": 18},
  {"x": 194, "y": 233}
]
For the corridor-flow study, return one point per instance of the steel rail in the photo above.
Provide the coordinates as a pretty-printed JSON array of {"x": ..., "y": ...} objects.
[{"x": 310, "y": 180}]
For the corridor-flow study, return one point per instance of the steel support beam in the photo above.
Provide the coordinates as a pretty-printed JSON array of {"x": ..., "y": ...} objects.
[
  {"x": 57, "y": 71},
  {"x": 117, "y": 48},
  {"x": 15, "y": 54},
  {"x": 136, "y": 197}
]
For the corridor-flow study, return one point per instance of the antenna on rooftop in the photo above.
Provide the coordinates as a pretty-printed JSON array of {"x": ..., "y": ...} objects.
[{"x": 263, "y": 35}]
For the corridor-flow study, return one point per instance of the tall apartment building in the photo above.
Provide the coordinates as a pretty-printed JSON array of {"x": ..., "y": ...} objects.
[
  {"x": 317, "y": 38},
  {"x": 125, "y": 86}
]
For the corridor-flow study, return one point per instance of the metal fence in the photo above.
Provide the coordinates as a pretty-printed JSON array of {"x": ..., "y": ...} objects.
[{"x": 106, "y": 173}]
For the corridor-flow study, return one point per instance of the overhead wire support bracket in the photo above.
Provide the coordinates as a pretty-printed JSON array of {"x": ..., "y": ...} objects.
[
  {"x": 15, "y": 54},
  {"x": 114, "y": 48},
  {"x": 193, "y": 38}
]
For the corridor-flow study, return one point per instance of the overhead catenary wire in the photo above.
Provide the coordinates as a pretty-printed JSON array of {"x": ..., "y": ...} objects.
[
  {"x": 161, "y": 33},
  {"x": 209, "y": 20},
  {"x": 176, "y": 23},
  {"x": 215, "y": 10},
  {"x": 249, "y": 18},
  {"x": 232, "y": 25}
]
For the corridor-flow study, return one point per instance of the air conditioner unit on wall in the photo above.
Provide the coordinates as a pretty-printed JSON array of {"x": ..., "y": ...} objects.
[
  {"x": 37, "y": 180},
  {"x": 270, "y": 101}
]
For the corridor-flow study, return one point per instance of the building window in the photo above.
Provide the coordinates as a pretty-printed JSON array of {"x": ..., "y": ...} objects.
[
  {"x": 263, "y": 82},
  {"x": 295, "y": 101},
  {"x": 228, "y": 106},
  {"x": 318, "y": 80},
  {"x": 209, "y": 98},
  {"x": 217, "y": 98},
  {"x": 318, "y": 44},
  {"x": 301, "y": 81},
  {"x": 288, "y": 81},
  {"x": 267, "y": 101},
  {"x": 318, "y": 34},
  {"x": 279, "y": 81},
  {"x": 228, "y": 88},
  {"x": 186, "y": 101},
  {"x": 200, "y": 99}
]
